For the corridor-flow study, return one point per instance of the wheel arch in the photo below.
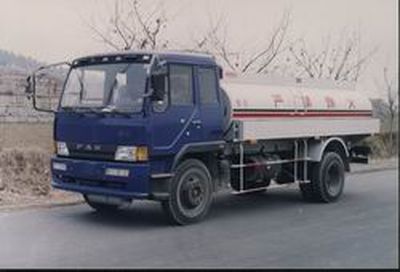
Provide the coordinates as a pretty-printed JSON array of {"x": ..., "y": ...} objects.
[
  {"x": 334, "y": 144},
  {"x": 204, "y": 152}
]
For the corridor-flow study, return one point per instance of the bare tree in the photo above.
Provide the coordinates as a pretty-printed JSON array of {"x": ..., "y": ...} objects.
[
  {"x": 132, "y": 26},
  {"x": 216, "y": 41},
  {"x": 342, "y": 61},
  {"x": 387, "y": 111},
  {"x": 392, "y": 107}
]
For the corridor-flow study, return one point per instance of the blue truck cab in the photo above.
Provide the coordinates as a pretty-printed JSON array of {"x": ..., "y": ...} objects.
[{"x": 125, "y": 120}]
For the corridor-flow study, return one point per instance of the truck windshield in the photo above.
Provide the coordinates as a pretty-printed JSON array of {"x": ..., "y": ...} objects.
[{"x": 118, "y": 87}]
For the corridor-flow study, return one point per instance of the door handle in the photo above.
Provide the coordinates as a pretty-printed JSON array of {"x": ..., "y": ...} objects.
[{"x": 196, "y": 122}]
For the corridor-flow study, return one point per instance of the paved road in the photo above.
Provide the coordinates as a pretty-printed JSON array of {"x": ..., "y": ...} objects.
[{"x": 272, "y": 230}]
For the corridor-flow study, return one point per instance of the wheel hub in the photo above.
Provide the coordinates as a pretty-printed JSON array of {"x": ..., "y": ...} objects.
[
  {"x": 193, "y": 193},
  {"x": 333, "y": 179}
]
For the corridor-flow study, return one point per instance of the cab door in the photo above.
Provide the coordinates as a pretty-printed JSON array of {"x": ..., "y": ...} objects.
[
  {"x": 209, "y": 102},
  {"x": 173, "y": 119}
]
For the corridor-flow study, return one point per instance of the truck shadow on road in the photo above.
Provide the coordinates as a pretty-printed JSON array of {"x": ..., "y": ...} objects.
[
  {"x": 138, "y": 215},
  {"x": 147, "y": 214}
]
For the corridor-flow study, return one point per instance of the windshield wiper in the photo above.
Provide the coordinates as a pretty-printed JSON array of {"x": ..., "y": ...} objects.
[
  {"x": 80, "y": 110},
  {"x": 96, "y": 110},
  {"x": 90, "y": 109},
  {"x": 122, "y": 113},
  {"x": 110, "y": 109}
]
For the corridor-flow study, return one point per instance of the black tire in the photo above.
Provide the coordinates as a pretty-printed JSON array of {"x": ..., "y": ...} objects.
[
  {"x": 101, "y": 207},
  {"x": 190, "y": 193},
  {"x": 327, "y": 180}
]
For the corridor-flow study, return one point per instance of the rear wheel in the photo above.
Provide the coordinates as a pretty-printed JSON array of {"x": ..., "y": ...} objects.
[
  {"x": 99, "y": 206},
  {"x": 327, "y": 179},
  {"x": 190, "y": 193}
]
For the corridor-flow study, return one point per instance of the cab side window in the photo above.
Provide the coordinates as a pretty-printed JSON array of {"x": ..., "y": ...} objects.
[
  {"x": 162, "y": 105},
  {"x": 180, "y": 85},
  {"x": 208, "y": 86}
]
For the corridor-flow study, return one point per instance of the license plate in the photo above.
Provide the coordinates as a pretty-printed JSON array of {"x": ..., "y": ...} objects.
[{"x": 106, "y": 199}]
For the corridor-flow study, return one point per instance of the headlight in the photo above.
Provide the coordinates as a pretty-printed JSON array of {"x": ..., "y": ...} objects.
[
  {"x": 62, "y": 149},
  {"x": 131, "y": 153},
  {"x": 125, "y": 153}
]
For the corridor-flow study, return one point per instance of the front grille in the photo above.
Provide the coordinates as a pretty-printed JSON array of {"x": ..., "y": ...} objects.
[
  {"x": 92, "y": 155},
  {"x": 88, "y": 151},
  {"x": 96, "y": 183}
]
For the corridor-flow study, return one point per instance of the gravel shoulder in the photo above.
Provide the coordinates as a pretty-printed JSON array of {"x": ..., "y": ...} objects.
[{"x": 375, "y": 165}]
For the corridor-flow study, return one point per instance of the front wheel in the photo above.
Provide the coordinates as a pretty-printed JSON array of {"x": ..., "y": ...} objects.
[
  {"x": 327, "y": 179},
  {"x": 190, "y": 193}
]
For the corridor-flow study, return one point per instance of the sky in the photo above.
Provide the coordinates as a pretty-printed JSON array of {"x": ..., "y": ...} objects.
[{"x": 55, "y": 30}]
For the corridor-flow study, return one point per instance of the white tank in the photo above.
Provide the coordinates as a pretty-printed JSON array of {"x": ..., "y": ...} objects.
[
  {"x": 252, "y": 96},
  {"x": 273, "y": 110}
]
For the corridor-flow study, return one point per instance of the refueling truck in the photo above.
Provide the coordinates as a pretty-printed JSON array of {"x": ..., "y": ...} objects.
[{"x": 167, "y": 126}]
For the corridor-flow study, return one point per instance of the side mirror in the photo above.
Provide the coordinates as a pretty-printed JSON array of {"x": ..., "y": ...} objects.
[
  {"x": 158, "y": 72},
  {"x": 158, "y": 85},
  {"x": 28, "y": 88},
  {"x": 220, "y": 72},
  {"x": 44, "y": 86}
]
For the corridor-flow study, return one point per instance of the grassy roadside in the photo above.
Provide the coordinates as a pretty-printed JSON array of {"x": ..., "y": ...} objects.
[{"x": 25, "y": 150}]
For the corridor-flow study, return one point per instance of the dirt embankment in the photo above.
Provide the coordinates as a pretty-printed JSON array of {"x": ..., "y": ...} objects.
[
  {"x": 23, "y": 173},
  {"x": 25, "y": 151},
  {"x": 27, "y": 136}
]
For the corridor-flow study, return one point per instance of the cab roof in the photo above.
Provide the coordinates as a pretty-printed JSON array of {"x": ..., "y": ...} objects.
[{"x": 169, "y": 56}]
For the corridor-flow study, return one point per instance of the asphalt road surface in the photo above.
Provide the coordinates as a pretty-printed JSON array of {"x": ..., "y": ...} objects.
[{"x": 274, "y": 230}]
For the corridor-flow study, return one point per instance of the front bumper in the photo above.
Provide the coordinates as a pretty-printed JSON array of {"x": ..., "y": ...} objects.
[{"x": 89, "y": 177}]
